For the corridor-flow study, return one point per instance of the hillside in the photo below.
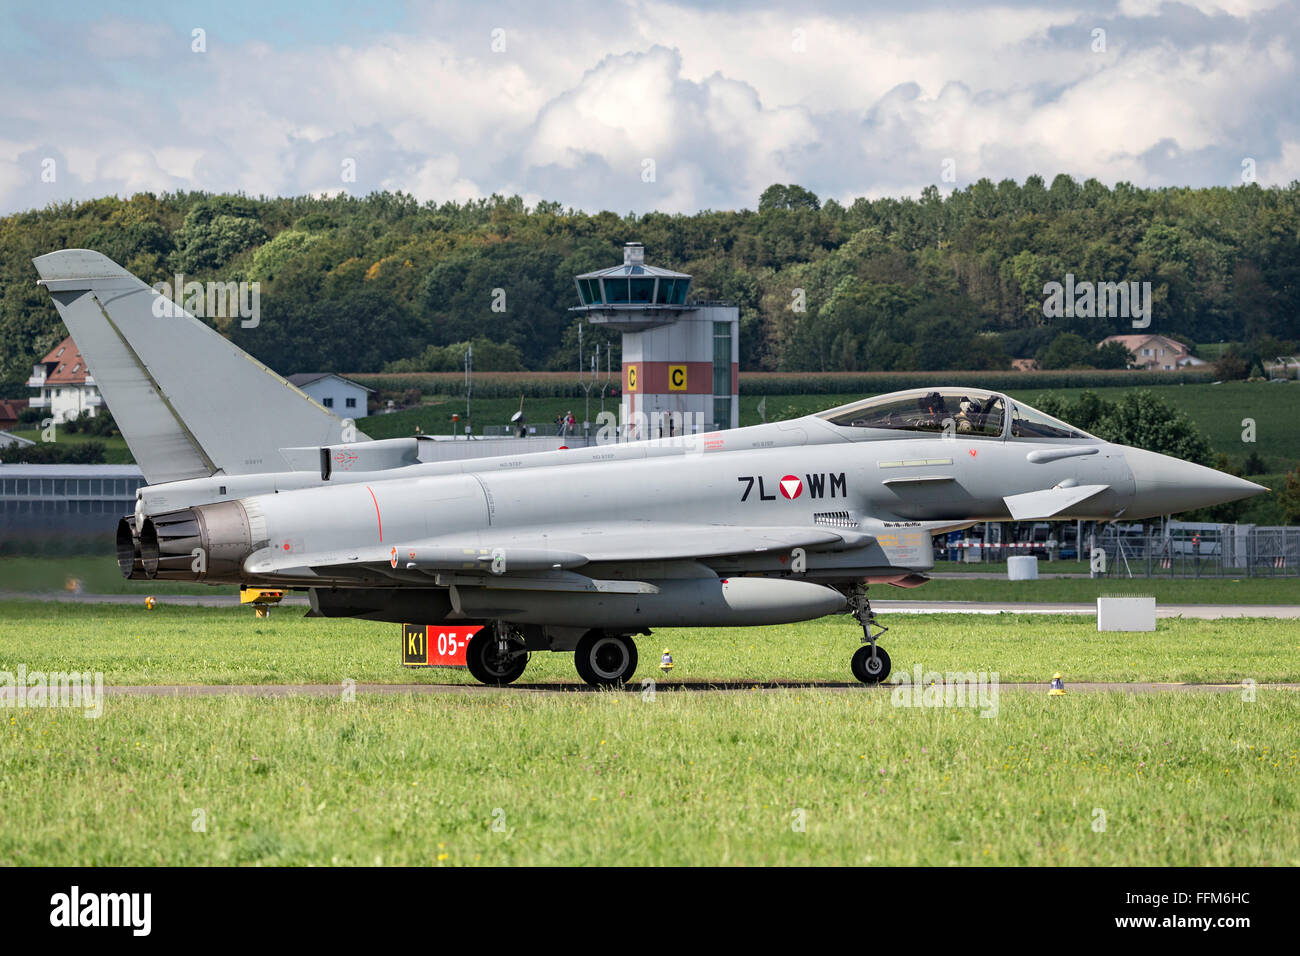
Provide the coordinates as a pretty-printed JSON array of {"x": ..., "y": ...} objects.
[{"x": 940, "y": 282}]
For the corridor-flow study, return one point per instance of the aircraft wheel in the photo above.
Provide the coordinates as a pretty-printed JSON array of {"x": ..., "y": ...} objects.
[
  {"x": 488, "y": 665},
  {"x": 867, "y": 670},
  {"x": 605, "y": 660}
]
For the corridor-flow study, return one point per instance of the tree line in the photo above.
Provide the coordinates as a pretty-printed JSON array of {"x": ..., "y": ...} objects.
[{"x": 955, "y": 281}]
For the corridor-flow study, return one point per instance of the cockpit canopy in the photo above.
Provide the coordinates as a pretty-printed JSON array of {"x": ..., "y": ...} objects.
[{"x": 961, "y": 412}]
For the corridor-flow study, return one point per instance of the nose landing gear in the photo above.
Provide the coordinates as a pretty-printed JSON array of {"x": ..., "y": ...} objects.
[{"x": 870, "y": 664}]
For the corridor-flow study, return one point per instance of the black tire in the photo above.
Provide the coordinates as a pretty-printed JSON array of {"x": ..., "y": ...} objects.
[
  {"x": 486, "y": 664},
  {"x": 605, "y": 660},
  {"x": 867, "y": 670}
]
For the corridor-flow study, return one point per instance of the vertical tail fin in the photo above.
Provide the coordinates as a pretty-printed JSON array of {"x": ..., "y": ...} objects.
[{"x": 188, "y": 402}]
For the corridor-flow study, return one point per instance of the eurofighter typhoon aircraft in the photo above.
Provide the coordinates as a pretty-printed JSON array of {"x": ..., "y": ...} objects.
[{"x": 581, "y": 550}]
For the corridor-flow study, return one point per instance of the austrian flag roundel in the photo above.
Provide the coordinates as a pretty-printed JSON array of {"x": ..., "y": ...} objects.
[{"x": 791, "y": 486}]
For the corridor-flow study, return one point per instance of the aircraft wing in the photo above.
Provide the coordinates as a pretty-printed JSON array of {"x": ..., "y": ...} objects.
[{"x": 563, "y": 549}]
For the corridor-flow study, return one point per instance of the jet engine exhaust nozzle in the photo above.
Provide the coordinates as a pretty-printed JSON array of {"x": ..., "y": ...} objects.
[
  {"x": 206, "y": 543},
  {"x": 129, "y": 560}
]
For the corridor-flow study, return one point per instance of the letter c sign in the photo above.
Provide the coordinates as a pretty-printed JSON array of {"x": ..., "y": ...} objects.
[{"x": 677, "y": 378}]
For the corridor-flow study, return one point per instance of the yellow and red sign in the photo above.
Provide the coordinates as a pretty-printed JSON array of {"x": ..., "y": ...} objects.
[{"x": 436, "y": 645}]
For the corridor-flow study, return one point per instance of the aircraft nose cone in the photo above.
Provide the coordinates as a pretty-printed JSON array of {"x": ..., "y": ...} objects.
[{"x": 1165, "y": 485}]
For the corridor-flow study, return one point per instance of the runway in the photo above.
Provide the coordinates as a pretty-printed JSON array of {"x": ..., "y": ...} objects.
[
  {"x": 1200, "y": 611},
  {"x": 711, "y": 687},
  {"x": 1209, "y": 612}
]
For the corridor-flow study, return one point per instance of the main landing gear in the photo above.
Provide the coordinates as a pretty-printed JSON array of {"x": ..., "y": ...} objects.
[
  {"x": 496, "y": 655},
  {"x": 605, "y": 660},
  {"x": 870, "y": 664}
]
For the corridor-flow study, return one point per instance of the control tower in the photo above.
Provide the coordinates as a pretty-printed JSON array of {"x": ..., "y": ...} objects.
[{"x": 681, "y": 359}]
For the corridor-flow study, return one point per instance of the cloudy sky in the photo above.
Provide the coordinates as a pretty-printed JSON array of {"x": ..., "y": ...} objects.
[{"x": 639, "y": 105}]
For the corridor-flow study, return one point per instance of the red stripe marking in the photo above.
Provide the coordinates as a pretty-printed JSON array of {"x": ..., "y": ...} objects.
[{"x": 378, "y": 517}]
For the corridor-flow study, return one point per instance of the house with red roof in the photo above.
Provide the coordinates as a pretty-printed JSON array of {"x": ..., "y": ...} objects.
[
  {"x": 10, "y": 410},
  {"x": 1155, "y": 353},
  {"x": 63, "y": 384}
]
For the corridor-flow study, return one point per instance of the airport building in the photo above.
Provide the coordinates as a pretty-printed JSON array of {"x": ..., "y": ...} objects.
[
  {"x": 46, "y": 508},
  {"x": 342, "y": 396},
  {"x": 681, "y": 358}
]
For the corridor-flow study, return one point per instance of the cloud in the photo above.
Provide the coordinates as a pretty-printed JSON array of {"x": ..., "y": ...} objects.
[{"x": 651, "y": 105}]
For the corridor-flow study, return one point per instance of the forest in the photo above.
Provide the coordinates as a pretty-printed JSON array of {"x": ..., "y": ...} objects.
[{"x": 955, "y": 281}]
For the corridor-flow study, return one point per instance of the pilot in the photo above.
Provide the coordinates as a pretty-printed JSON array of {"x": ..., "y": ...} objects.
[
  {"x": 966, "y": 412},
  {"x": 934, "y": 408}
]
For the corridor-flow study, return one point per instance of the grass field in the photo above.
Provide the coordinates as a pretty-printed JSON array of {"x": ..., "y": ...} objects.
[
  {"x": 174, "y": 644},
  {"x": 115, "y": 450},
  {"x": 738, "y": 778},
  {"x": 788, "y": 777},
  {"x": 1045, "y": 567},
  {"x": 98, "y": 574}
]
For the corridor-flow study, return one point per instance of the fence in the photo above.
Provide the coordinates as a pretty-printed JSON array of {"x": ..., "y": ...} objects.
[{"x": 1230, "y": 551}]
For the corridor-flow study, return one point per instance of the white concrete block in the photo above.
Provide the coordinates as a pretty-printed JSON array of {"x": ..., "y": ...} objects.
[
  {"x": 1126, "y": 614},
  {"x": 1023, "y": 567}
]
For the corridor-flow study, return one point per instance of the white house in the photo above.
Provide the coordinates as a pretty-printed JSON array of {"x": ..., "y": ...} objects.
[
  {"x": 344, "y": 397},
  {"x": 1155, "y": 353},
  {"x": 65, "y": 387}
]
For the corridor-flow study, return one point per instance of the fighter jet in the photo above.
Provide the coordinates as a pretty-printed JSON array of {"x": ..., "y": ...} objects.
[{"x": 581, "y": 550}]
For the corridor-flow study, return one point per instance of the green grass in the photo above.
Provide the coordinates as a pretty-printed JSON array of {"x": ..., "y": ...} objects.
[
  {"x": 632, "y": 778},
  {"x": 115, "y": 450},
  {"x": 1000, "y": 567},
  {"x": 1214, "y": 351},
  {"x": 174, "y": 644},
  {"x": 1188, "y": 779},
  {"x": 435, "y": 418},
  {"x": 98, "y": 574}
]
